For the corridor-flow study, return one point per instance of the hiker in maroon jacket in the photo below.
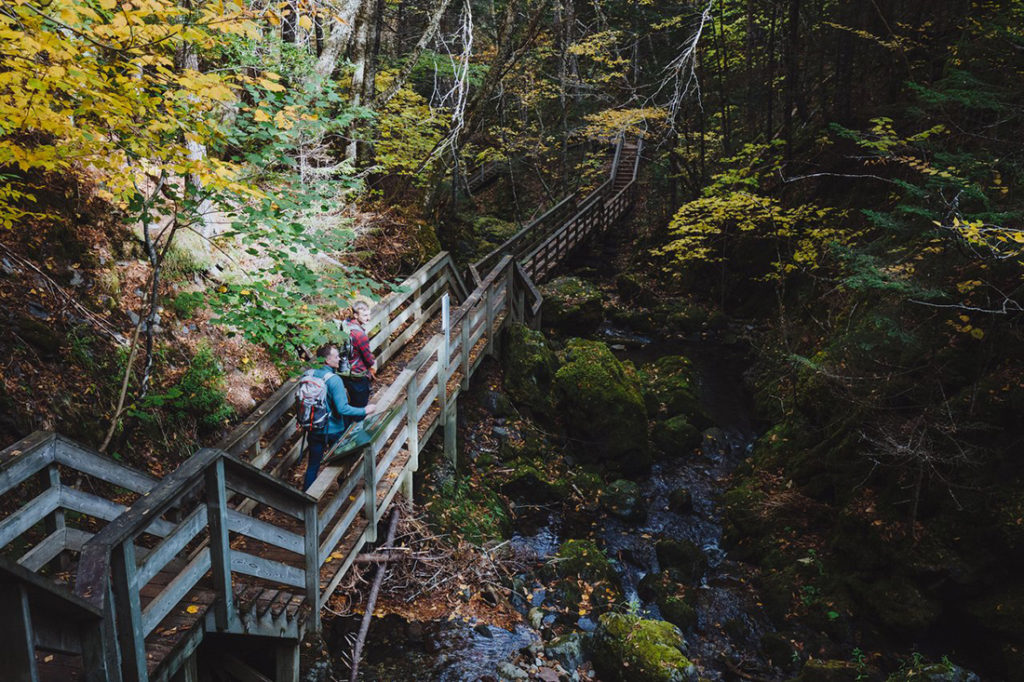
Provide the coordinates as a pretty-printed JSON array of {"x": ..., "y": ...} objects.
[{"x": 364, "y": 365}]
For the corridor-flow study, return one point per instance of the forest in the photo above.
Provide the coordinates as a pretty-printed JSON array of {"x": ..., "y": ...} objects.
[{"x": 764, "y": 426}]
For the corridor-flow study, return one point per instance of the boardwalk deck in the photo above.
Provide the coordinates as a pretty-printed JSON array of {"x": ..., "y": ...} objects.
[{"x": 225, "y": 543}]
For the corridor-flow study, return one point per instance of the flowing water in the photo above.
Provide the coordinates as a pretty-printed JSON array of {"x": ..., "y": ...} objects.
[{"x": 729, "y": 620}]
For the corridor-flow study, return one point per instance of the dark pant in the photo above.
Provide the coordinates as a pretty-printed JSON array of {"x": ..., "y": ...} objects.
[
  {"x": 358, "y": 395},
  {"x": 316, "y": 443}
]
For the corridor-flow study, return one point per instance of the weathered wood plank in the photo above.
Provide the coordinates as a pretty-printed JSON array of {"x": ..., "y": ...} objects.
[
  {"x": 272, "y": 571},
  {"x": 264, "y": 532},
  {"x": 86, "y": 503},
  {"x": 175, "y": 591},
  {"x": 46, "y": 551},
  {"x": 29, "y": 515},
  {"x": 169, "y": 548},
  {"x": 73, "y": 455},
  {"x": 260, "y": 420},
  {"x": 25, "y": 459}
]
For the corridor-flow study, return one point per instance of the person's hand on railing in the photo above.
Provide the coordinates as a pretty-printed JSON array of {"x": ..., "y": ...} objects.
[{"x": 371, "y": 408}]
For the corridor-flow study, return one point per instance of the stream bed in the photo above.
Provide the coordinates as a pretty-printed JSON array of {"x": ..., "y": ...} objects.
[{"x": 725, "y": 639}]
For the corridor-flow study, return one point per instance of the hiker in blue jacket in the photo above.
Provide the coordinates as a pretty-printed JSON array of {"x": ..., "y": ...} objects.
[{"x": 337, "y": 403}]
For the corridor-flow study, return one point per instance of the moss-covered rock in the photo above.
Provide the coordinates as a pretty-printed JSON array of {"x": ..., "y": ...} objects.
[
  {"x": 670, "y": 389},
  {"x": 572, "y": 306},
  {"x": 623, "y": 499},
  {"x": 530, "y": 368},
  {"x": 683, "y": 557},
  {"x": 601, "y": 405},
  {"x": 630, "y": 649},
  {"x": 675, "y": 436},
  {"x": 584, "y": 577},
  {"x": 583, "y": 559},
  {"x": 674, "y": 599}
]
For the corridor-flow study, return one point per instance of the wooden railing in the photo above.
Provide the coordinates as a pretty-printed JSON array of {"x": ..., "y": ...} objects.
[{"x": 121, "y": 563}]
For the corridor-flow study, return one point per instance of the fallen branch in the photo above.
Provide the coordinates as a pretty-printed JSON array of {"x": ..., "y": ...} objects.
[{"x": 371, "y": 602}]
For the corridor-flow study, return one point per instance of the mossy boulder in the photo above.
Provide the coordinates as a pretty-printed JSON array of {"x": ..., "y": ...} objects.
[
  {"x": 602, "y": 408},
  {"x": 628, "y": 648},
  {"x": 634, "y": 288},
  {"x": 680, "y": 315},
  {"x": 670, "y": 389},
  {"x": 585, "y": 577},
  {"x": 675, "y": 436},
  {"x": 682, "y": 557},
  {"x": 674, "y": 599},
  {"x": 572, "y": 306},
  {"x": 623, "y": 499},
  {"x": 530, "y": 368}
]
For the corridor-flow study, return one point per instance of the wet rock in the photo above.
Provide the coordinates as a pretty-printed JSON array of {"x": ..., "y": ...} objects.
[
  {"x": 38, "y": 311},
  {"x": 567, "y": 650},
  {"x": 133, "y": 318},
  {"x": 674, "y": 600},
  {"x": 675, "y": 436},
  {"x": 670, "y": 389},
  {"x": 682, "y": 557},
  {"x": 586, "y": 624},
  {"x": 497, "y": 404},
  {"x": 622, "y": 498},
  {"x": 8, "y": 267},
  {"x": 571, "y": 305},
  {"x": 601, "y": 404},
  {"x": 630, "y": 649},
  {"x": 546, "y": 674},
  {"x": 680, "y": 501},
  {"x": 507, "y": 671},
  {"x": 76, "y": 278},
  {"x": 530, "y": 368},
  {"x": 499, "y": 432},
  {"x": 536, "y": 617},
  {"x": 528, "y": 488},
  {"x": 483, "y": 631},
  {"x": 714, "y": 441}
]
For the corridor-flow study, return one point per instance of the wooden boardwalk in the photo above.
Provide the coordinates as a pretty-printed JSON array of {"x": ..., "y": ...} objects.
[{"x": 114, "y": 576}]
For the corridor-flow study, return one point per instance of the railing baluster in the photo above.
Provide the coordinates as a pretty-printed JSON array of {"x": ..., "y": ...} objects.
[
  {"x": 413, "y": 426},
  {"x": 220, "y": 550},
  {"x": 311, "y": 539},
  {"x": 464, "y": 350},
  {"x": 128, "y": 613},
  {"x": 370, "y": 491}
]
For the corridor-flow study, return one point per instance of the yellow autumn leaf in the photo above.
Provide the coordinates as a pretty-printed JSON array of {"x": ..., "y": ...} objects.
[
  {"x": 261, "y": 116},
  {"x": 305, "y": 22},
  {"x": 271, "y": 85},
  {"x": 192, "y": 608}
]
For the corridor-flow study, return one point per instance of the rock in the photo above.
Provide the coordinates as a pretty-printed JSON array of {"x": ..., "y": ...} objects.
[
  {"x": 76, "y": 278},
  {"x": 42, "y": 337},
  {"x": 507, "y": 671},
  {"x": 583, "y": 559},
  {"x": 572, "y": 306},
  {"x": 630, "y": 649},
  {"x": 499, "y": 432},
  {"x": 599, "y": 400},
  {"x": 528, "y": 488},
  {"x": 674, "y": 599},
  {"x": 675, "y": 436},
  {"x": 623, "y": 499},
  {"x": 38, "y": 311},
  {"x": 670, "y": 389},
  {"x": 133, "y": 318},
  {"x": 8, "y": 267},
  {"x": 680, "y": 501},
  {"x": 902, "y": 606},
  {"x": 497, "y": 404},
  {"x": 546, "y": 674},
  {"x": 778, "y": 649},
  {"x": 634, "y": 289},
  {"x": 530, "y": 368},
  {"x": 536, "y": 617},
  {"x": 586, "y": 624},
  {"x": 567, "y": 650},
  {"x": 483, "y": 631},
  {"x": 682, "y": 557}
]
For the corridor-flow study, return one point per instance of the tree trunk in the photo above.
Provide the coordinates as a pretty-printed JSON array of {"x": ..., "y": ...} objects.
[
  {"x": 433, "y": 24},
  {"x": 335, "y": 44}
]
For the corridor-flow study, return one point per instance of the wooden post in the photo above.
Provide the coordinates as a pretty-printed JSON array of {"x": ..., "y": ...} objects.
[
  {"x": 18, "y": 664},
  {"x": 287, "y": 662},
  {"x": 450, "y": 449},
  {"x": 489, "y": 316},
  {"x": 220, "y": 550},
  {"x": 412, "y": 423},
  {"x": 370, "y": 491},
  {"x": 55, "y": 521},
  {"x": 311, "y": 545},
  {"x": 128, "y": 613},
  {"x": 465, "y": 349},
  {"x": 407, "y": 490},
  {"x": 189, "y": 670}
]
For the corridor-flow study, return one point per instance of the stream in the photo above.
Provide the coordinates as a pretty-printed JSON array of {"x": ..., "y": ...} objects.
[{"x": 729, "y": 624}]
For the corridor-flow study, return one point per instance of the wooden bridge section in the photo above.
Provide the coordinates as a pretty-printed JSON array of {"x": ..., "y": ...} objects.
[{"x": 114, "y": 576}]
